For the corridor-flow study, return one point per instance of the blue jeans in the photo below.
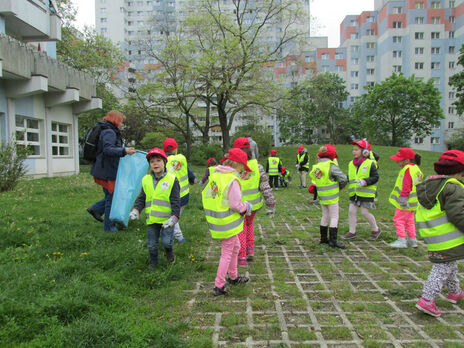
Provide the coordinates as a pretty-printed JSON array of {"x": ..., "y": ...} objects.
[
  {"x": 153, "y": 233},
  {"x": 103, "y": 207}
]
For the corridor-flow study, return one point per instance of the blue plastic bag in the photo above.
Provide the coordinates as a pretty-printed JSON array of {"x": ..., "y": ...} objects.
[{"x": 131, "y": 170}]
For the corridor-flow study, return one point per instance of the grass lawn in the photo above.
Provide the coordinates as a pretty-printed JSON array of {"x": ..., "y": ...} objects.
[{"x": 64, "y": 282}]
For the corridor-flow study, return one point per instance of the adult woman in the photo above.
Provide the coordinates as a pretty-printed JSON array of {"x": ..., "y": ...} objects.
[{"x": 105, "y": 168}]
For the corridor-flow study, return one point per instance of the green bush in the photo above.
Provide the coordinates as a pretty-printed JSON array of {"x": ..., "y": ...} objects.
[
  {"x": 456, "y": 141},
  {"x": 12, "y": 167},
  {"x": 201, "y": 153}
]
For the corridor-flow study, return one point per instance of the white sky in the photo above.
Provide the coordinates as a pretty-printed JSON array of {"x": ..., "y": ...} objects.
[{"x": 328, "y": 13}]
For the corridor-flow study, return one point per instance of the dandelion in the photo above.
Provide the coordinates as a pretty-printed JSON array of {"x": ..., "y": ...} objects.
[
  {"x": 18, "y": 229},
  {"x": 83, "y": 254}
]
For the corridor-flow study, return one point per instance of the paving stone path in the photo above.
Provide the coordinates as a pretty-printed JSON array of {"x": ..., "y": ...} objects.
[{"x": 302, "y": 294}]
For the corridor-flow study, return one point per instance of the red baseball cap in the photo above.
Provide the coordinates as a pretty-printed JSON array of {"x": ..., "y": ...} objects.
[
  {"x": 273, "y": 152},
  {"x": 300, "y": 148},
  {"x": 238, "y": 156},
  {"x": 169, "y": 144},
  {"x": 327, "y": 151},
  {"x": 156, "y": 152},
  {"x": 283, "y": 169},
  {"x": 241, "y": 143},
  {"x": 453, "y": 155},
  {"x": 211, "y": 160},
  {"x": 363, "y": 144},
  {"x": 403, "y": 153}
]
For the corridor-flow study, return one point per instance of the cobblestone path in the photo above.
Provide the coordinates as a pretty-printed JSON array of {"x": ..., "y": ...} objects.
[{"x": 302, "y": 294}]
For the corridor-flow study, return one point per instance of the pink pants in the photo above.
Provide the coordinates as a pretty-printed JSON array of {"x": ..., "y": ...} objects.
[
  {"x": 228, "y": 261},
  {"x": 247, "y": 237},
  {"x": 329, "y": 212},
  {"x": 404, "y": 221}
]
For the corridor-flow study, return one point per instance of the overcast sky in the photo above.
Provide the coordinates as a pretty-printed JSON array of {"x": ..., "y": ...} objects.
[{"x": 328, "y": 14}]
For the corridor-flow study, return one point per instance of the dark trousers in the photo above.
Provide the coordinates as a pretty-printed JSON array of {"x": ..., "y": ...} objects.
[
  {"x": 154, "y": 231},
  {"x": 273, "y": 181}
]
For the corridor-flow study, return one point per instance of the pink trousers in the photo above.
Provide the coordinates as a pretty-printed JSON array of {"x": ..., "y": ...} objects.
[
  {"x": 247, "y": 237},
  {"x": 330, "y": 212},
  {"x": 404, "y": 221},
  {"x": 228, "y": 262}
]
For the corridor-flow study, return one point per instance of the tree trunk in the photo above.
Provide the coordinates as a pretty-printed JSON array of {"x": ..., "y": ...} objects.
[
  {"x": 224, "y": 129},
  {"x": 207, "y": 122},
  {"x": 188, "y": 137}
]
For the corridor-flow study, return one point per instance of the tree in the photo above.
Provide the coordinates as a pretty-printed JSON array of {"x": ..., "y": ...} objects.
[
  {"x": 457, "y": 81},
  {"x": 314, "y": 105},
  {"x": 393, "y": 111}
]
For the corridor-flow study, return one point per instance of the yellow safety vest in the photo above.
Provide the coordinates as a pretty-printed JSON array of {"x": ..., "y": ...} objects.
[
  {"x": 363, "y": 172},
  {"x": 285, "y": 175},
  {"x": 300, "y": 159},
  {"x": 416, "y": 176},
  {"x": 434, "y": 227},
  {"x": 157, "y": 202},
  {"x": 223, "y": 222},
  {"x": 273, "y": 165},
  {"x": 250, "y": 185},
  {"x": 327, "y": 190},
  {"x": 211, "y": 169},
  {"x": 177, "y": 164}
]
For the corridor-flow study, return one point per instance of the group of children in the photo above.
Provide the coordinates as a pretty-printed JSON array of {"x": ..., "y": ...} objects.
[{"x": 235, "y": 190}]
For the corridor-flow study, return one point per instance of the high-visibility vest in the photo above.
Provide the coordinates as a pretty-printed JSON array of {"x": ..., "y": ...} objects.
[
  {"x": 363, "y": 172},
  {"x": 223, "y": 222},
  {"x": 416, "y": 176},
  {"x": 157, "y": 202},
  {"x": 434, "y": 227},
  {"x": 327, "y": 190},
  {"x": 372, "y": 158},
  {"x": 177, "y": 164},
  {"x": 273, "y": 165},
  {"x": 300, "y": 159},
  {"x": 285, "y": 175},
  {"x": 211, "y": 169},
  {"x": 250, "y": 185}
]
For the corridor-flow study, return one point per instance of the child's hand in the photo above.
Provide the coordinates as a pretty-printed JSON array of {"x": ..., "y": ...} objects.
[
  {"x": 134, "y": 214},
  {"x": 403, "y": 202},
  {"x": 361, "y": 182},
  {"x": 171, "y": 222}
]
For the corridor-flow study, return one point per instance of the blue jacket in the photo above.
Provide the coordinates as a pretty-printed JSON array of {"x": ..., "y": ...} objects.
[{"x": 109, "y": 150}]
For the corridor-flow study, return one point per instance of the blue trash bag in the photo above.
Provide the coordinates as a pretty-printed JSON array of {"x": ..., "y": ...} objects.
[{"x": 131, "y": 170}]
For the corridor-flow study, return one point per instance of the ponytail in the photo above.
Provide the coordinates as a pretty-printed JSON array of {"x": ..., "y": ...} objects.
[{"x": 417, "y": 159}]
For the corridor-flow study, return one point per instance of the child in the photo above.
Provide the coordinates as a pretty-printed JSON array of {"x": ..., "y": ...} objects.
[
  {"x": 285, "y": 178},
  {"x": 273, "y": 167},
  {"x": 440, "y": 221},
  {"x": 404, "y": 197},
  {"x": 160, "y": 198},
  {"x": 224, "y": 210},
  {"x": 329, "y": 180},
  {"x": 362, "y": 176},
  {"x": 211, "y": 166},
  {"x": 255, "y": 186},
  {"x": 177, "y": 164},
  {"x": 302, "y": 164}
]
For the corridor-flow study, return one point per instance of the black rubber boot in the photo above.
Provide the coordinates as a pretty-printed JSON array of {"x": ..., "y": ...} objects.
[
  {"x": 333, "y": 232},
  {"x": 170, "y": 255},
  {"x": 324, "y": 230}
]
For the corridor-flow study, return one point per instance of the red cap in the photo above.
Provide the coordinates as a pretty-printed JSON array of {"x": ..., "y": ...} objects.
[
  {"x": 403, "y": 153},
  {"x": 283, "y": 169},
  {"x": 453, "y": 155},
  {"x": 300, "y": 148},
  {"x": 169, "y": 144},
  {"x": 273, "y": 152},
  {"x": 363, "y": 144},
  {"x": 156, "y": 152},
  {"x": 211, "y": 160},
  {"x": 327, "y": 151},
  {"x": 238, "y": 156},
  {"x": 241, "y": 143}
]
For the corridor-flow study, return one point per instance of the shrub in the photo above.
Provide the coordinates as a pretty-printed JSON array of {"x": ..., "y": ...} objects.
[
  {"x": 200, "y": 153},
  {"x": 12, "y": 167}
]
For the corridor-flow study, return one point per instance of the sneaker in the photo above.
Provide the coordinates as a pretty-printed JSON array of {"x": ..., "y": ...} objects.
[
  {"x": 170, "y": 256},
  {"x": 238, "y": 280},
  {"x": 220, "y": 291},
  {"x": 375, "y": 234},
  {"x": 454, "y": 297},
  {"x": 428, "y": 308},
  {"x": 412, "y": 242},
  {"x": 349, "y": 235},
  {"x": 242, "y": 261},
  {"x": 95, "y": 215},
  {"x": 250, "y": 257},
  {"x": 400, "y": 243}
]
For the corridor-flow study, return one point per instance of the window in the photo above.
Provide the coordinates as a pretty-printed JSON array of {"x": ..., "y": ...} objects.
[
  {"x": 435, "y": 50},
  {"x": 435, "y": 35},
  {"x": 435, "y": 65},
  {"x": 397, "y": 10},
  {"x": 370, "y": 19},
  {"x": 60, "y": 139},
  {"x": 435, "y": 140},
  {"x": 419, "y": 66},
  {"x": 28, "y": 133},
  {"x": 435, "y": 4},
  {"x": 354, "y": 36},
  {"x": 370, "y": 45},
  {"x": 355, "y": 49},
  {"x": 339, "y": 68},
  {"x": 451, "y": 50},
  {"x": 419, "y": 50},
  {"x": 370, "y": 58},
  {"x": 435, "y": 20},
  {"x": 452, "y": 19},
  {"x": 396, "y": 39},
  {"x": 370, "y": 32},
  {"x": 419, "y": 20},
  {"x": 139, "y": 3},
  {"x": 129, "y": 23},
  {"x": 396, "y": 54},
  {"x": 451, "y": 65},
  {"x": 451, "y": 34},
  {"x": 309, "y": 59},
  {"x": 103, "y": 30},
  {"x": 103, "y": 10},
  {"x": 370, "y": 71},
  {"x": 354, "y": 86},
  {"x": 325, "y": 56},
  {"x": 103, "y": 20},
  {"x": 419, "y": 35},
  {"x": 338, "y": 55},
  {"x": 352, "y": 99},
  {"x": 418, "y": 140},
  {"x": 354, "y": 74},
  {"x": 102, "y": 1},
  {"x": 397, "y": 68},
  {"x": 450, "y": 124},
  {"x": 397, "y": 25},
  {"x": 130, "y": 32},
  {"x": 354, "y": 61},
  {"x": 325, "y": 68},
  {"x": 436, "y": 80},
  {"x": 451, "y": 110},
  {"x": 371, "y": 83},
  {"x": 451, "y": 95},
  {"x": 354, "y": 22},
  {"x": 451, "y": 3},
  {"x": 419, "y": 5}
]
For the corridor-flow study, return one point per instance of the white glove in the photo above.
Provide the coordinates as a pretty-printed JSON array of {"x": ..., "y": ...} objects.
[
  {"x": 171, "y": 222},
  {"x": 271, "y": 211},
  {"x": 134, "y": 214},
  {"x": 249, "y": 209},
  {"x": 403, "y": 202},
  {"x": 361, "y": 182},
  {"x": 297, "y": 166}
]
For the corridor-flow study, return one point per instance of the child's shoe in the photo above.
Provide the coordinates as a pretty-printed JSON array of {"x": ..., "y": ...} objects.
[
  {"x": 412, "y": 242},
  {"x": 454, "y": 297},
  {"x": 400, "y": 243},
  {"x": 220, "y": 291},
  {"x": 428, "y": 307},
  {"x": 170, "y": 256},
  {"x": 375, "y": 234},
  {"x": 349, "y": 235},
  {"x": 242, "y": 261},
  {"x": 238, "y": 280}
]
